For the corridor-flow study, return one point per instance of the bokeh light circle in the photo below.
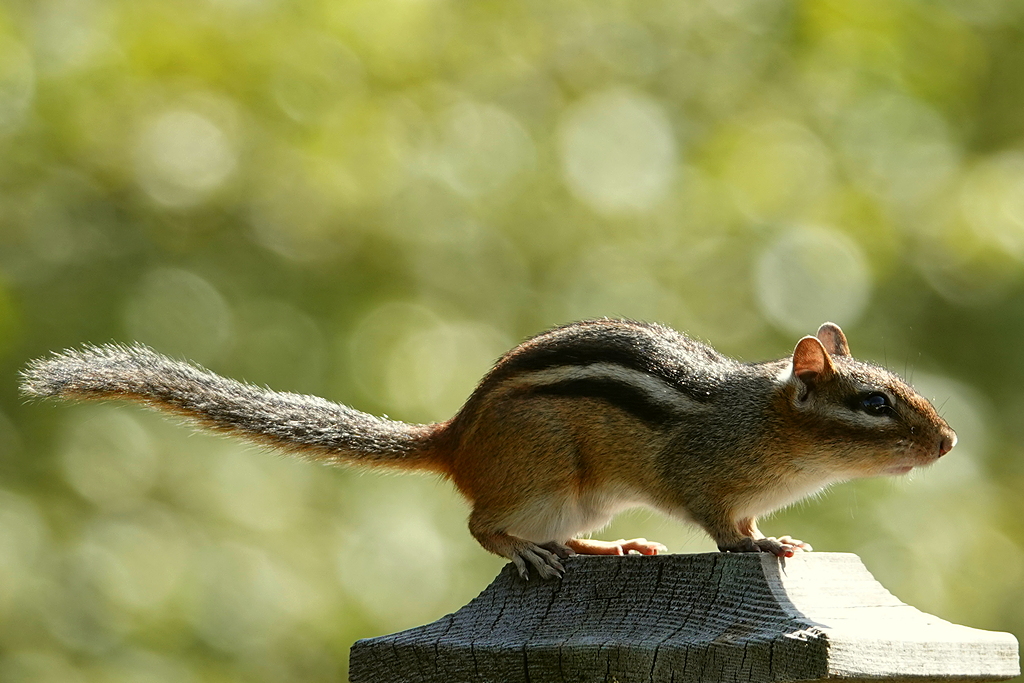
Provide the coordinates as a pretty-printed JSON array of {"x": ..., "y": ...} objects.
[{"x": 810, "y": 275}]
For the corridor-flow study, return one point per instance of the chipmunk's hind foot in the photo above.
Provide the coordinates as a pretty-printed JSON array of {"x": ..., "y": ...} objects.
[{"x": 544, "y": 558}]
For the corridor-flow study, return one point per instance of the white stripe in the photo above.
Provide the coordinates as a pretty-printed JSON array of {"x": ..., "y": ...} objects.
[
  {"x": 785, "y": 374},
  {"x": 859, "y": 418},
  {"x": 656, "y": 388}
]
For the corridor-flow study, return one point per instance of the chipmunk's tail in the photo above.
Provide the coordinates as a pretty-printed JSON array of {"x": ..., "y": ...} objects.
[{"x": 307, "y": 426}]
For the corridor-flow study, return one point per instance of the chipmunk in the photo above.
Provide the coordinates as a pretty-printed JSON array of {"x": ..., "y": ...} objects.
[{"x": 577, "y": 424}]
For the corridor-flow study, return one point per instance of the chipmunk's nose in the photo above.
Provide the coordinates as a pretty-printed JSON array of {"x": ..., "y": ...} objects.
[{"x": 947, "y": 443}]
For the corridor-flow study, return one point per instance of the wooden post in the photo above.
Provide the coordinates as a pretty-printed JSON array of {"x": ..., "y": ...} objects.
[{"x": 707, "y": 617}]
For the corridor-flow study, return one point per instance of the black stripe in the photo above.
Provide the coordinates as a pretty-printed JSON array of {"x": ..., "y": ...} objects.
[
  {"x": 671, "y": 357},
  {"x": 623, "y": 395}
]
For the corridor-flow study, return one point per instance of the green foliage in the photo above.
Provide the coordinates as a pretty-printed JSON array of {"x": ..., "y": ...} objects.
[{"x": 372, "y": 199}]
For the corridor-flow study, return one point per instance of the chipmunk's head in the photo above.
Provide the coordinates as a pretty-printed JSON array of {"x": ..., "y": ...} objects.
[{"x": 862, "y": 414}]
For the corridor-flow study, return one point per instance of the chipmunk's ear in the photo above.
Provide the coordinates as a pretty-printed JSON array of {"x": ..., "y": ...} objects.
[
  {"x": 833, "y": 339},
  {"x": 811, "y": 362}
]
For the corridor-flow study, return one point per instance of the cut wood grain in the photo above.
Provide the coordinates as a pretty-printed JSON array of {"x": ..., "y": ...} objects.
[{"x": 676, "y": 618}]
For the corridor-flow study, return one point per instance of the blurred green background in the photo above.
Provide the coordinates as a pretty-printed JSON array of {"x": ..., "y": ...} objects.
[{"x": 371, "y": 200}]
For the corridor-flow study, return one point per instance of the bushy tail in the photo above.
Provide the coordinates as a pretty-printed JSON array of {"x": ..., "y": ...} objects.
[{"x": 308, "y": 426}]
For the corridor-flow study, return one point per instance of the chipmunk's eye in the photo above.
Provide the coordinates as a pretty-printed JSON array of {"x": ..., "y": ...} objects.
[{"x": 875, "y": 403}]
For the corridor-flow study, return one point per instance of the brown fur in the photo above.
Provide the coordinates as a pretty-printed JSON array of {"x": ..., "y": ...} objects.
[{"x": 576, "y": 424}]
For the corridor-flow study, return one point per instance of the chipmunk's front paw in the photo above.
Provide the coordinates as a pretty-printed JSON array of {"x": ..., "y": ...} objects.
[
  {"x": 784, "y": 546},
  {"x": 542, "y": 558},
  {"x": 586, "y": 546},
  {"x": 789, "y": 540}
]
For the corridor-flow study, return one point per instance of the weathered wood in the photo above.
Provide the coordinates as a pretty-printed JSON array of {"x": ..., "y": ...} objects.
[{"x": 707, "y": 617}]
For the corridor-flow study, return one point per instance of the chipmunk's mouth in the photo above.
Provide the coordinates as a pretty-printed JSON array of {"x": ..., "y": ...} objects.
[{"x": 909, "y": 462}]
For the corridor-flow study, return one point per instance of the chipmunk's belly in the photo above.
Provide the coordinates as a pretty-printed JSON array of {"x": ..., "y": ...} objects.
[{"x": 561, "y": 518}]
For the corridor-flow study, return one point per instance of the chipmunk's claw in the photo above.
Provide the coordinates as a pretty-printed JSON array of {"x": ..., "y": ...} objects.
[{"x": 542, "y": 559}]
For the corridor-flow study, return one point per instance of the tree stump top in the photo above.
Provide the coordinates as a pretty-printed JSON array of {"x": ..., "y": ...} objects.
[{"x": 704, "y": 617}]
